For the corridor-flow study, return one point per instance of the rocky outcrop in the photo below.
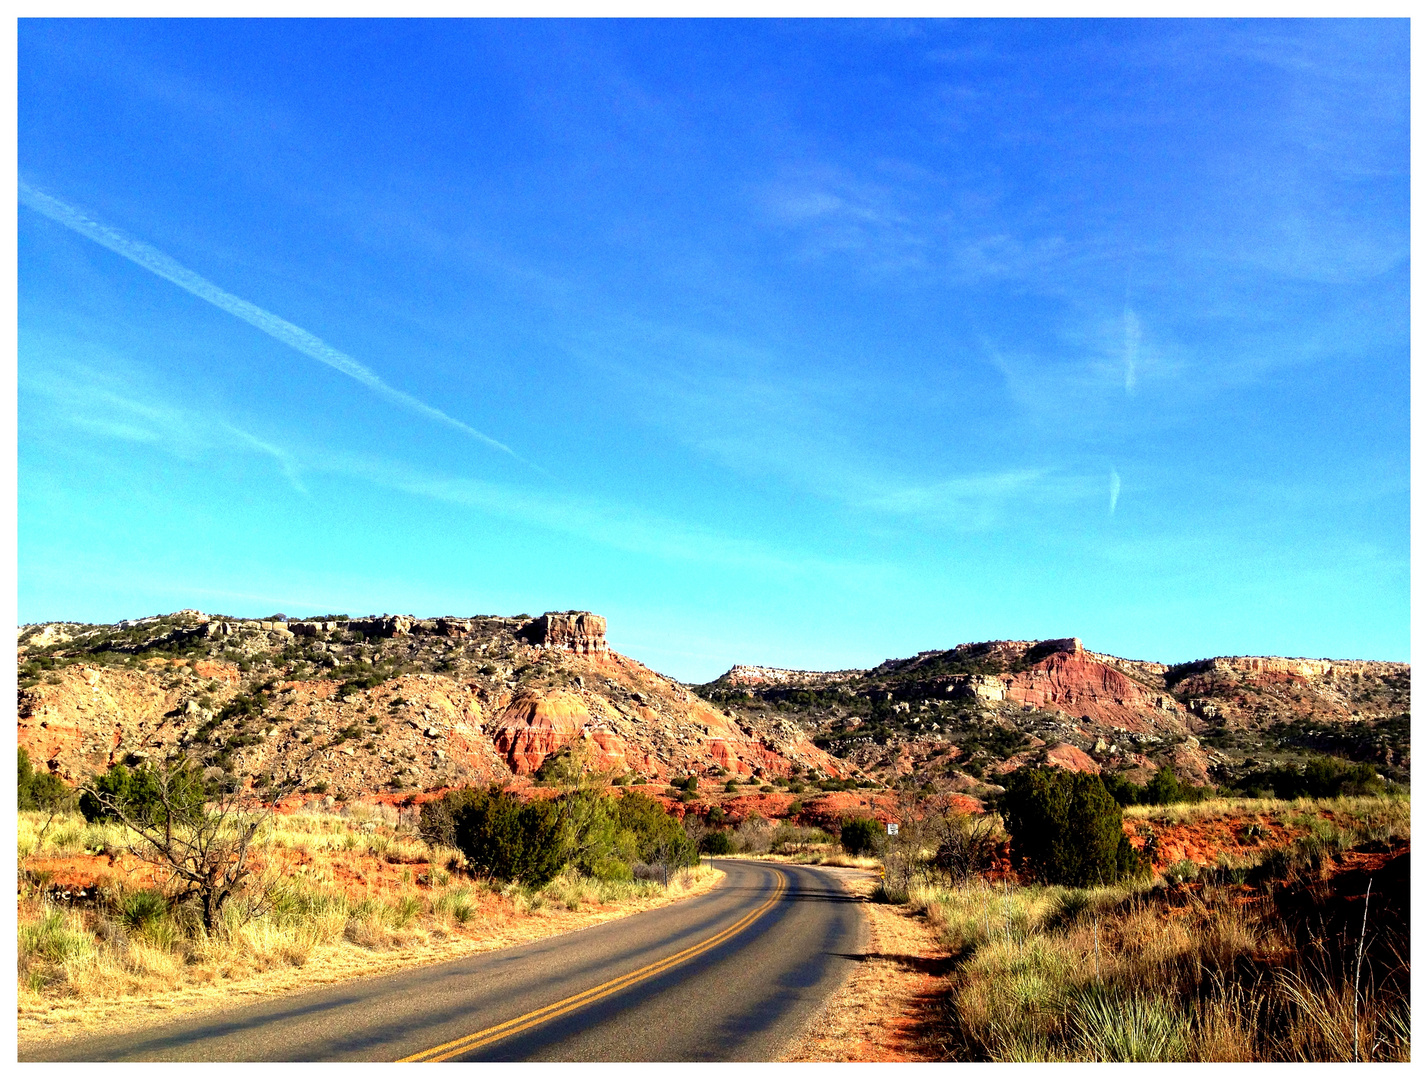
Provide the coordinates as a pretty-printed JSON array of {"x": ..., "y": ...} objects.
[
  {"x": 1128, "y": 714},
  {"x": 536, "y": 725},
  {"x": 314, "y": 628},
  {"x": 575, "y": 631},
  {"x": 386, "y": 704},
  {"x": 382, "y": 625},
  {"x": 756, "y": 675},
  {"x": 1068, "y": 683},
  {"x": 1066, "y": 756}
]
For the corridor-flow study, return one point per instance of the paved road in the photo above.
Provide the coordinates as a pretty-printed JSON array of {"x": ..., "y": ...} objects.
[{"x": 732, "y": 975}]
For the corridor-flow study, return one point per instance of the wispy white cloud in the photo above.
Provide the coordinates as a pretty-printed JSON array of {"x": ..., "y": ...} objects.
[
  {"x": 156, "y": 262},
  {"x": 115, "y": 404},
  {"x": 974, "y": 501},
  {"x": 623, "y": 527},
  {"x": 103, "y": 403},
  {"x": 897, "y": 218},
  {"x": 1132, "y": 332},
  {"x": 1115, "y": 492},
  {"x": 752, "y": 411}
]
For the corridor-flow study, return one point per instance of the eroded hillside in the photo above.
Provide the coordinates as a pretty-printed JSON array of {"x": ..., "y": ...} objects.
[
  {"x": 957, "y": 719},
  {"x": 383, "y": 704}
]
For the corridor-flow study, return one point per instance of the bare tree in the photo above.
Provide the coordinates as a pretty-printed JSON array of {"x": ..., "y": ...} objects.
[
  {"x": 964, "y": 845},
  {"x": 696, "y": 829},
  {"x": 203, "y": 844}
]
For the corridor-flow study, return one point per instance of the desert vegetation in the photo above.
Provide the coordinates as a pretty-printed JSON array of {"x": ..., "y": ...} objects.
[
  {"x": 1295, "y": 947},
  {"x": 331, "y": 892}
]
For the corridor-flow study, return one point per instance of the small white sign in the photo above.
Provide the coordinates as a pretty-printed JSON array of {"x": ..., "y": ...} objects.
[{"x": 892, "y": 828}]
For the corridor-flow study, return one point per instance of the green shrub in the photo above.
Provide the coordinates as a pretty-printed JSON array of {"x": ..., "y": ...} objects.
[
  {"x": 532, "y": 842},
  {"x": 145, "y": 795},
  {"x": 1064, "y": 825},
  {"x": 40, "y": 790},
  {"x": 1162, "y": 790},
  {"x": 861, "y": 836},
  {"x": 656, "y": 835},
  {"x": 141, "y": 910},
  {"x": 1130, "y": 863},
  {"x": 501, "y": 837},
  {"x": 1182, "y": 870},
  {"x": 1319, "y": 778},
  {"x": 718, "y": 842}
]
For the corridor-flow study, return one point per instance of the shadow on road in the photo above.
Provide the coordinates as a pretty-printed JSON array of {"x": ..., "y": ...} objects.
[{"x": 936, "y": 966}]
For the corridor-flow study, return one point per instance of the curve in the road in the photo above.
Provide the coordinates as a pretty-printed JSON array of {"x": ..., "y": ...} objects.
[
  {"x": 458, "y": 1047},
  {"x": 733, "y": 974}
]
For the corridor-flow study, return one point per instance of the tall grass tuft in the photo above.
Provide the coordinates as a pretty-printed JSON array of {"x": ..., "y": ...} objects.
[{"x": 1139, "y": 1027}]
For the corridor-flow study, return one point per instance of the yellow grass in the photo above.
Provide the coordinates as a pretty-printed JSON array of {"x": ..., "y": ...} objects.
[
  {"x": 1055, "y": 974},
  {"x": 1371, "y": 810},
  {"x": 818, "y": 855},
  {"x": 356, "y": 907}
]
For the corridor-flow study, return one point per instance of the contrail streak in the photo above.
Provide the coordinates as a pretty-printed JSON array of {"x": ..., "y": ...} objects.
[
  {"x": 156, "y": 262},
  {"x": 1132, "y": 335},
  {"x": 1115, "y": 492}
]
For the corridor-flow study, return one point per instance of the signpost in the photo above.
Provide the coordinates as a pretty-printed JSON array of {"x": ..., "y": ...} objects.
[{"x": 892, "y": 828}]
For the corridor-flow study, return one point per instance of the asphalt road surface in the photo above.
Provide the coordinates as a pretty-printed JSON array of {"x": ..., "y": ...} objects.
[{"x": 733, "y": 975}]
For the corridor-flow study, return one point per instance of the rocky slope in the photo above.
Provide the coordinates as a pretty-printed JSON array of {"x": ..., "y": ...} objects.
[
  {"x": 392, "y": 703},
  {"x": 381, "y": 704},
  {"x": 958, "y": 718}
]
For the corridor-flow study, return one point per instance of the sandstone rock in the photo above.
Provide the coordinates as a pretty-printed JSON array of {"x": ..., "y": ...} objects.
[
  {"x": 575, "y": 631},
  {"x": 313, "y": 629},
  {"x": 382, "y": 625},
  {"x": 1066, "y": 756},
  {"x": 536, "y": 725}
]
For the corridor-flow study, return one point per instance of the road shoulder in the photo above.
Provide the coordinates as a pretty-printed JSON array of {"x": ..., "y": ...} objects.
[
  {"x": 42, "y": 1024},
  {"x": 878, "y": 1013}
]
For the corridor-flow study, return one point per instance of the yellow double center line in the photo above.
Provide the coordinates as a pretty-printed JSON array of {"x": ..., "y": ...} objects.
[{"x": 464, "y": 1045}]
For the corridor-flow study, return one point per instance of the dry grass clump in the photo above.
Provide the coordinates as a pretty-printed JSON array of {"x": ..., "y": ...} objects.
[
  {"x": 829, "y": 854},
  {"x": 1155, "y": 973},
  {"x": 1360, "y": 812},
  {"x": 136, "y": 941},
  {"x": 66, "y": 833}
]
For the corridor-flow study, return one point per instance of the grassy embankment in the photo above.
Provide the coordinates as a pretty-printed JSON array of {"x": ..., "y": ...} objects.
[
  {"x": 1262, "y": 956},
  {"x": 333, "y": 896}
]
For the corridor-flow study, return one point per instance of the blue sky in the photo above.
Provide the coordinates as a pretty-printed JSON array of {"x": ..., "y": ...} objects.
[{"x": 807, "y": 344}]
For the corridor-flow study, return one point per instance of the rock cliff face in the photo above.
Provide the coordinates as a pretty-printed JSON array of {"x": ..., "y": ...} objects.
[
  {"x": 1066, "y": 682},
  {"x": 536, "y": 725},
  {"x": 575, "y": 631}
]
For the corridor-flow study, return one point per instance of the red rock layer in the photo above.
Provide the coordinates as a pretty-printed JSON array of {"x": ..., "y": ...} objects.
[
  {"x": 1068, "y": 683},
  {"x": 536, "y": 725}
]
